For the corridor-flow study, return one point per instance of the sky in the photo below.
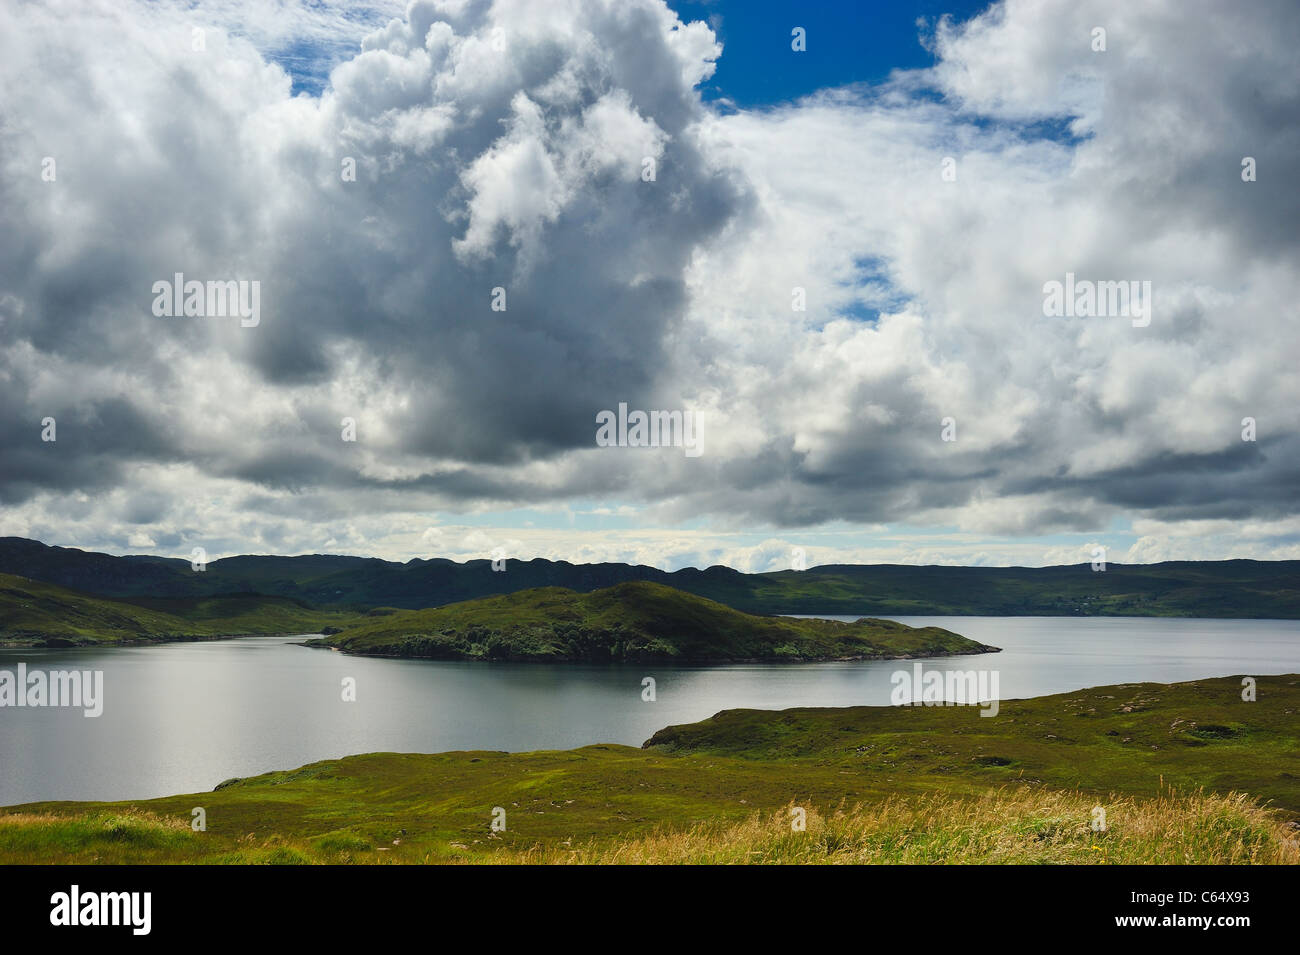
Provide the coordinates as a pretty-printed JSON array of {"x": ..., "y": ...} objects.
[{"x": 475, "y": 226}]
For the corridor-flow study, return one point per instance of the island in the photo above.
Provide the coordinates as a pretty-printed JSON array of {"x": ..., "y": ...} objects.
[{"x": 636, "y": 621}]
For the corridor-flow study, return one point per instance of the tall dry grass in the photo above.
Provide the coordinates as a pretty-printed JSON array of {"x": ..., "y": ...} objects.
[
  {"x": 1001, "y": 827},
  {"x": 1006, "y": 826}
]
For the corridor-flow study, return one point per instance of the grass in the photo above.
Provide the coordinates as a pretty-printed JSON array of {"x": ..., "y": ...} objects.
[
  {"x": 1000, "y": 827},
  {"x": 39, "y": 614},
  {"x": 630, "y": 621},
  {"x": 1187, "y": 773}
]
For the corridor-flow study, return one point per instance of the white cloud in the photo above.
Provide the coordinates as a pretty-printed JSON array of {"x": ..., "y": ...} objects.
[{"x": 514, "y": 159}]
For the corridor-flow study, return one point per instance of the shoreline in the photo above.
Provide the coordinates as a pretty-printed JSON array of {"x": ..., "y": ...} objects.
[
  {"x": 685, "y": 661},
  {"x": 66, "y": 644}
]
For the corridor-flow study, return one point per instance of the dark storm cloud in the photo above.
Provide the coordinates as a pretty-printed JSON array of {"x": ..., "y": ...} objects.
[{"x": 503, "y": 146}]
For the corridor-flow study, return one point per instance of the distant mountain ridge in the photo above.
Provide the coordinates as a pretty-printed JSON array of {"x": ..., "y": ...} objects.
[{"x": 1229, "y": 588}]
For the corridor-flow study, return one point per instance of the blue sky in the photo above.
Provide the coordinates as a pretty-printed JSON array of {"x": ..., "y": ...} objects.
[
  {"x": 809, "y": 273},
  {"x": 848, "y": 41}
]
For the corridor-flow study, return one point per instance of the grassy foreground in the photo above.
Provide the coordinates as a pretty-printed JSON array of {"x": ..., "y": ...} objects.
[
  {"x": 629, "y": 622},
  {"x": 1003, "y": 827},
  {"x": 1186, "y": 773}
]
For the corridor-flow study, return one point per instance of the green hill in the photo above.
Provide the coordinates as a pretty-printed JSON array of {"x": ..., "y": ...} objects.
[
  {"x": 38, "y": 614},
  {"x": 631, "y": 621},
  {"x": 1223, "y": 588}
]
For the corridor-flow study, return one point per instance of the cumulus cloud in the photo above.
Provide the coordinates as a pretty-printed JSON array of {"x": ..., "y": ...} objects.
[{"x": 500, "y": 152}]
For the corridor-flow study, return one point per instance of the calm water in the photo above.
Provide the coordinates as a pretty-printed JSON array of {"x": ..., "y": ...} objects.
[{"x": 183, "y": 717}]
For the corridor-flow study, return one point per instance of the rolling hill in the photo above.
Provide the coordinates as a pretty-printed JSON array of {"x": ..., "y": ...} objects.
[
  {"x": 631, "y": 621},
  {"x": 33, "y": 613},
  {"x": 1229, "y": 588}
]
